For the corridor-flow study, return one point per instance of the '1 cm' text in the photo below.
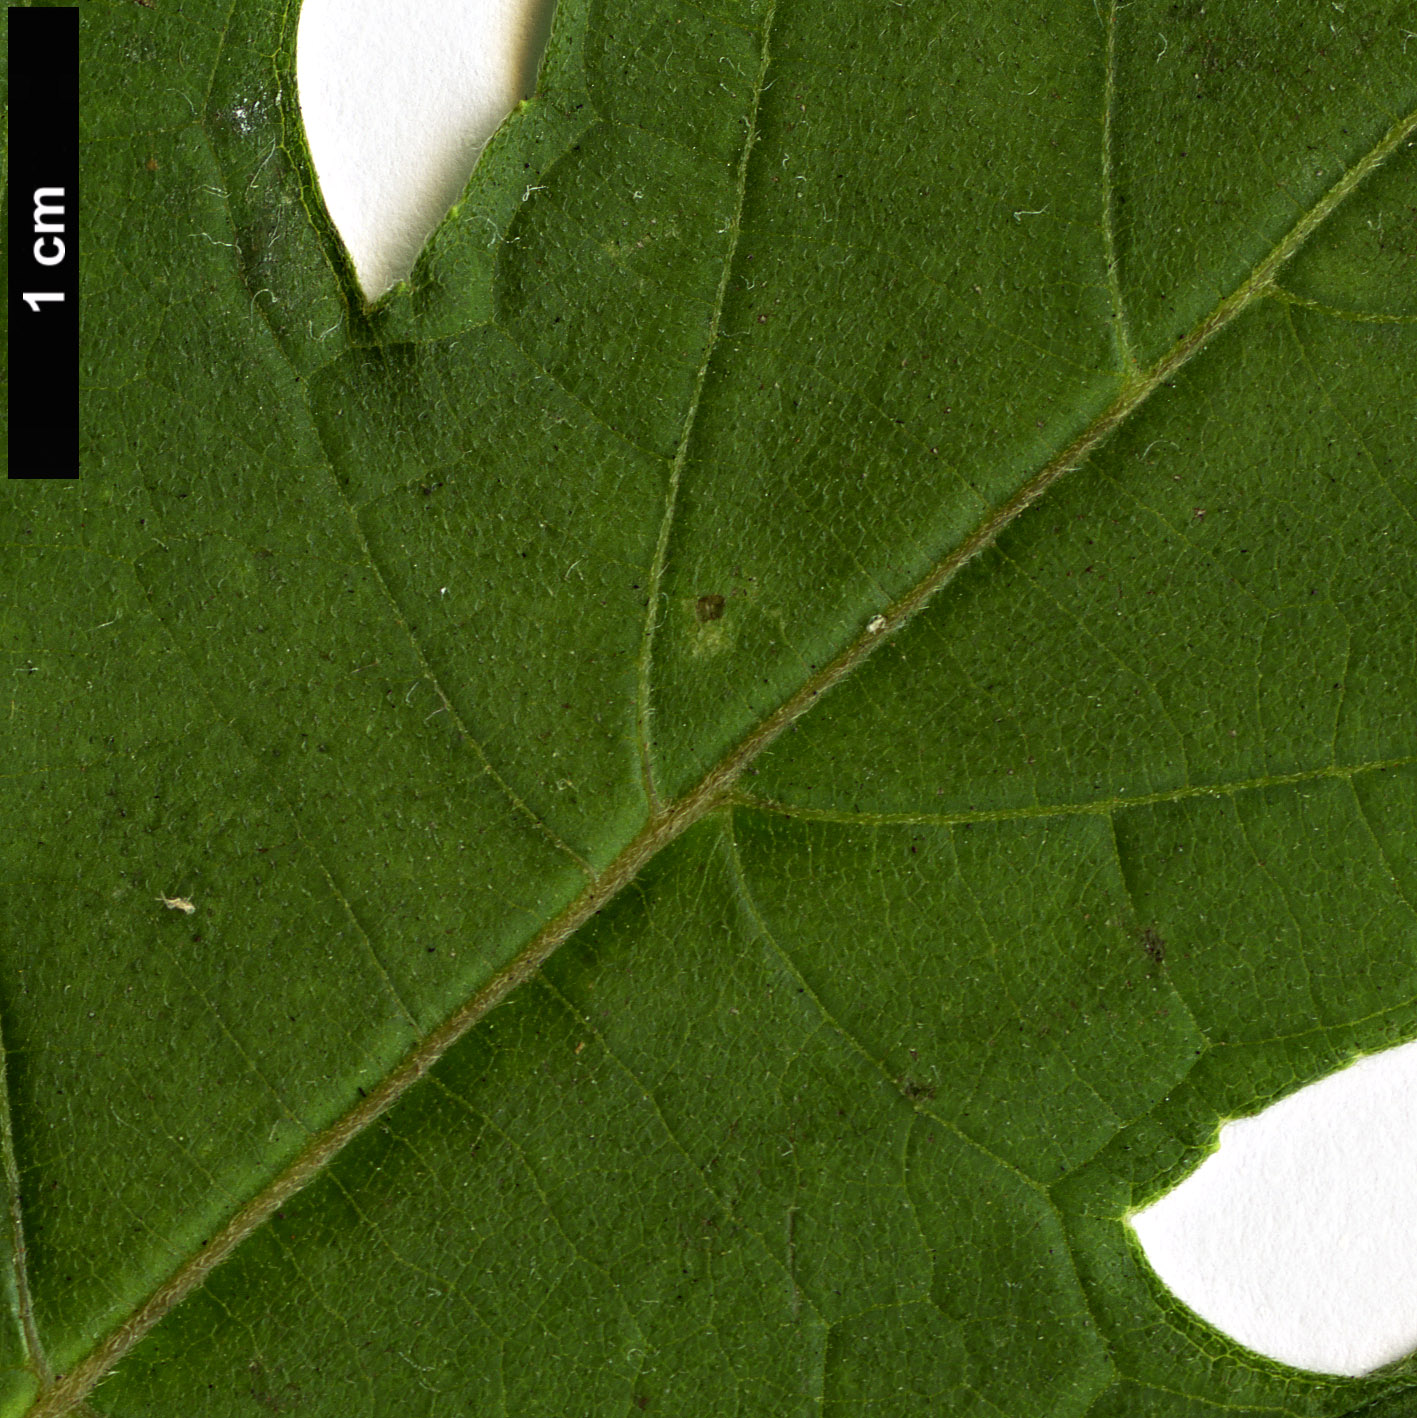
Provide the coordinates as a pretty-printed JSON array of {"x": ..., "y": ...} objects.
[{"x": 49, "y": 239}]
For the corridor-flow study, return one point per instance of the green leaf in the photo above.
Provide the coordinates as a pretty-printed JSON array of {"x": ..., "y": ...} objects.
[{"x": 862, "y": 595}]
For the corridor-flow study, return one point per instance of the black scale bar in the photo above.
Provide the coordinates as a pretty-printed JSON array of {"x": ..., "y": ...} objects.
[{"x": 43, "y": 253}]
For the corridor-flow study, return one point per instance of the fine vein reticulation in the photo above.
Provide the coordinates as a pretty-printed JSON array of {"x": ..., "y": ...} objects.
[{"x": 668, "y": 821}]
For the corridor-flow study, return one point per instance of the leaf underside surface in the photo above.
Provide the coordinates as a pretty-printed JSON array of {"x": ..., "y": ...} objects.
[{"x": 862, "y": 595}]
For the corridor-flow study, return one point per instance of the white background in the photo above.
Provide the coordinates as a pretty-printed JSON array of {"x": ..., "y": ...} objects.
[
  {"x": 1299, "y": 1236},
  {"x": 398, "y": 100}
]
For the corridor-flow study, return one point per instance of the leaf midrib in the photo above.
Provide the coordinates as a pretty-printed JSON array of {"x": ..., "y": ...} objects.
[
  {"x": 669, "y": 822},
  {"x": 15, "y": 1224}
]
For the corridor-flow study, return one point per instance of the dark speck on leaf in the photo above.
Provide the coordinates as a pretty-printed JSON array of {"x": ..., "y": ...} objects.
[
  {"x": 1154, "y": 946},
  {"x": 709, "y": 608}
]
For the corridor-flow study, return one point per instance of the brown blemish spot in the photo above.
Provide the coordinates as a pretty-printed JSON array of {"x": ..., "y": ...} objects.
[
  {"x": 1154, "y": 946},
  {"x": 708, "y": 608}
]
